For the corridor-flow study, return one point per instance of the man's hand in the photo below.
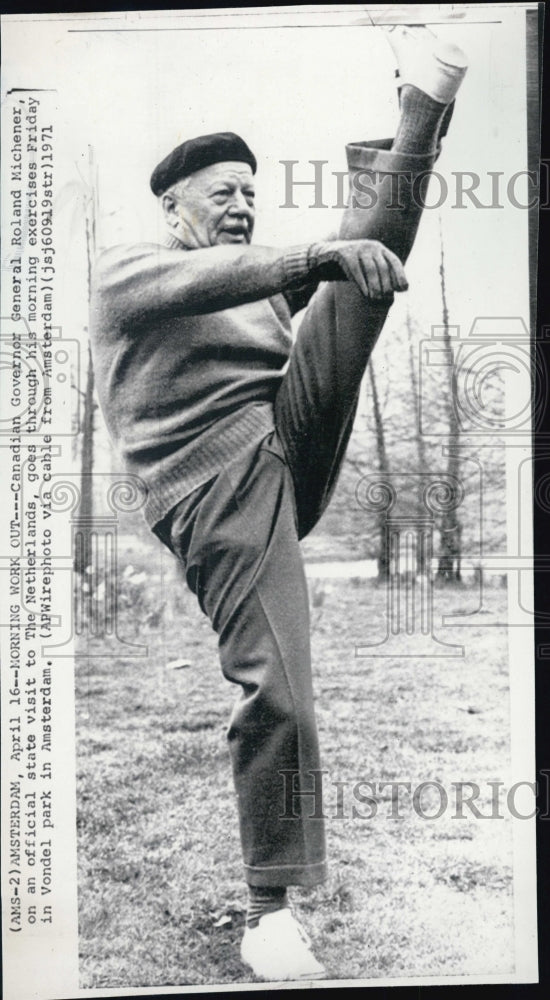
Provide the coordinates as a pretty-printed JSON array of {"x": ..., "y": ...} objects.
[{"x": 376, "y": 271}]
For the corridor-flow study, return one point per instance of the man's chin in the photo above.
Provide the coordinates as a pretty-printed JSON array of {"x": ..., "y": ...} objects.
[{"x": 239, "y": 237}]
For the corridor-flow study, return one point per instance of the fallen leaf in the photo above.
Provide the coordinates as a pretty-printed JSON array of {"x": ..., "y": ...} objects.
[{"x": 178, "y": 664}]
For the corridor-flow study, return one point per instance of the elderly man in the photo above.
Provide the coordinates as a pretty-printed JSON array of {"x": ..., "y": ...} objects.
[{"x": 240, "y": 456}]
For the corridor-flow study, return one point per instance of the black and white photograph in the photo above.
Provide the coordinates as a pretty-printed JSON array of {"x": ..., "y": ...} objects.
[{"x": 267, "y": 405}]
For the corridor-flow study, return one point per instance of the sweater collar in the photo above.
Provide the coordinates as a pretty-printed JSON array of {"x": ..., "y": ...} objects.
[{"x": 172, "y": 241}]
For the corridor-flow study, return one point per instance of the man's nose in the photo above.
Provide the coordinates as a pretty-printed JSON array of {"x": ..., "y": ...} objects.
[{"x": 239, "y": 205}]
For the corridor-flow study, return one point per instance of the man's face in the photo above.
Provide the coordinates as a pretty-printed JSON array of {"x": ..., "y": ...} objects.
[{"x": 213, "y": 206}]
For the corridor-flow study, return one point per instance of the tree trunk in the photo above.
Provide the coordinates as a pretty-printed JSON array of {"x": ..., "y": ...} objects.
[
  {"x": 450, "y": 552},
  {"x": 83, "y": 534},
  {"x": 421, "y": 567},
  {"x": 384, "y": 469}
]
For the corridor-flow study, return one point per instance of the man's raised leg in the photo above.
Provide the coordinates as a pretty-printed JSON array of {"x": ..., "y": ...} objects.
[{"x": 317, "y": 401}]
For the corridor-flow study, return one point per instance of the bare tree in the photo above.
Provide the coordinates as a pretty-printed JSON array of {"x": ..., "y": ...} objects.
[
  {"x": 83, "y": 195},
  {"x": 420, "y": 446},
  {"x": 384, "y": 469},
  {"x": 450, "y": 551}
]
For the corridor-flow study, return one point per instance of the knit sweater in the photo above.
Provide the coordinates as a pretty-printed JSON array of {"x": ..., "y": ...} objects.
[{"x": 189, "y": 348}]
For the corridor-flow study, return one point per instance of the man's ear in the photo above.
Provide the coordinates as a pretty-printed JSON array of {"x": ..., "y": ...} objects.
[{"x": 169, "y": 204}]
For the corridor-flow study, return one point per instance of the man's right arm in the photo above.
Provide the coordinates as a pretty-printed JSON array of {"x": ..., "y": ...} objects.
[{"x": 134, "y": 282}]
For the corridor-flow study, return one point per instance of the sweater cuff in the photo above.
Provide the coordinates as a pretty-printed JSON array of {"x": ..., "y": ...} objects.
[
  {"x": 297, "y": 265},
  {"x": 323, "y": 262}
]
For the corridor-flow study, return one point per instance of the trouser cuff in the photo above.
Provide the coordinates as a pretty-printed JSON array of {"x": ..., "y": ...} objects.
[
  {"x": 286, "y": 874},
  {"x": 379, "y": 156}
]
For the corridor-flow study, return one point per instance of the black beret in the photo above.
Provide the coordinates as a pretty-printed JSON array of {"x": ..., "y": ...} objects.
[{"x": 198, "y": 153}]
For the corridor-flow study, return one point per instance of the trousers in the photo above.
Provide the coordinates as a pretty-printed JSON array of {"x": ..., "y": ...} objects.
[{"x": 238, "y": 536}]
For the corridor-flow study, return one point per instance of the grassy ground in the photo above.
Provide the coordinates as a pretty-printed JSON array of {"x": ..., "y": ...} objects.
[{"x": 161, "y": 893}]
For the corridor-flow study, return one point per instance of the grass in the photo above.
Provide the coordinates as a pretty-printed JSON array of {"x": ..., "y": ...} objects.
[{"x": 161, "y": 897}]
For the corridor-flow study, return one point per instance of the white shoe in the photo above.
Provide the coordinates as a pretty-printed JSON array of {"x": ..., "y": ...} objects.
[
  {"x": 279, "y": 949},
  {"x": 435, "y": 67}
]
